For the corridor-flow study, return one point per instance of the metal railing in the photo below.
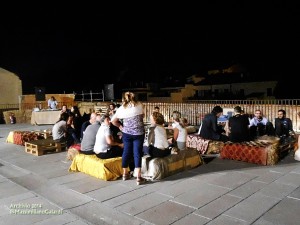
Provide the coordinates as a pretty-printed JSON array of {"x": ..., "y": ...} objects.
[
  {"x": 89, "y": 96},
  {"x": 194, "y": 111}
]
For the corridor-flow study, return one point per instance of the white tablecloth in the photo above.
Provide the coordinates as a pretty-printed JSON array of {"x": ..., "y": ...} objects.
[{"x": 45, "y": 117}]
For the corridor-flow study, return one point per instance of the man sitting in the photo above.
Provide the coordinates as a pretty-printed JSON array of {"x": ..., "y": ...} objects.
[
  {"x": 283, "y": 126},
  {"x": 260, "y": 126},
  {"x": 105, "y": 146},
  {"x": 239, "y": 126},
  {"x": 89, "y": 137},
  {"x": 209, "y": 128}
]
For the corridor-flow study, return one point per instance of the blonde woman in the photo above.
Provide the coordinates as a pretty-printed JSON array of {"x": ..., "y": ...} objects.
[
  {"x": 131, "y": 113},
  {"x": 157, "y": 144},
  {"x": 179, "y": 130}
]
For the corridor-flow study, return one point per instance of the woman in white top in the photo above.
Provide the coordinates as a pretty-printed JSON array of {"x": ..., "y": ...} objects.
[
  {"x": 157, "y": 144},
  {"x": 179, "y": 130},
  {"x": 132, "y": 114},
  {"x": 105, "y": 147}
]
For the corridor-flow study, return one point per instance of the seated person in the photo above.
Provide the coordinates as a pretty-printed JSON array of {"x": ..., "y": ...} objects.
[
  {"x": 71, "y": 132},
  {"x": 210, "y": 129},
  {"x": 85, "y": 124},
  {"x": 238, "y": 126},
  {"x": 157, "y": 144},
  {"x": 59, "y": 130},
  {"x": 260, "y": 126},
  {"x": 105, "y": 146},
  {"x": 77, "y": 121},
  {"x": 65, "y": 109},
  {"x": 89, "y": 138},
  {"x": 114, "y": 129},
  {"x": 179, "y": 130},
  {"x": 283, "y": 125}
]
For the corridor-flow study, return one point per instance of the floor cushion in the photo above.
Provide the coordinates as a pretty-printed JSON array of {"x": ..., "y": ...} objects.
[
  {"x": 264, "y": 151},
  {"x": 245, "y": 152},
  {"x": 158, "y": 168},
  {"x": 10, "y": 137},
  {"x": 20, "y": 137},
  {"x": 105, "y": 169},
  {"x": 204, "y": 146}
]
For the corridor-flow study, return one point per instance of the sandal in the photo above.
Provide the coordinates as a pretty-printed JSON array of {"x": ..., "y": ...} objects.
[
  {"x": 126, "y": 176},
  {"x": 140, "y": 180}
]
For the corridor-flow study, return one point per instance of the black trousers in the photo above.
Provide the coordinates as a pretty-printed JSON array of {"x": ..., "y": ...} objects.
[{"x": 113, "y": 152}]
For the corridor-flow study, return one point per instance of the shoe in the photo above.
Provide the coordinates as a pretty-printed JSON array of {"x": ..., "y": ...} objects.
[
  {"x": 126, "y": 176},
  {"x": 140, "y": 180}
]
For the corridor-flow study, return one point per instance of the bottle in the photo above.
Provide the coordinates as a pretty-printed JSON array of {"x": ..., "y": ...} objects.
[{"x": 12, "y": 119}]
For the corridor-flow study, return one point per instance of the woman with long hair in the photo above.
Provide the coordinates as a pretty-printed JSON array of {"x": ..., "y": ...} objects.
[{"x": 131, "y": 113}]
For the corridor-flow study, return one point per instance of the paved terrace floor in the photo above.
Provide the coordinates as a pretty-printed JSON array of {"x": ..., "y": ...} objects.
[{"x": 218, "y": 192}]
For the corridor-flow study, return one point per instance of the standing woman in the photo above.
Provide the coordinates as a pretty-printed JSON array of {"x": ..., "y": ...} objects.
[{"x": 131, "y": 113}]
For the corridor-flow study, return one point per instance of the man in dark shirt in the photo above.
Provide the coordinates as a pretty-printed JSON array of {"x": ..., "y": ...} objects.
[
  {"x": 283, "y": 125},
  {"x": 238, "y": 126},
  {"x": 209, "y": 128}
]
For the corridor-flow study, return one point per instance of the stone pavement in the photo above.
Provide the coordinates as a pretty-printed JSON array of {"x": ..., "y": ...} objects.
[{"x": 40, "y": 190}]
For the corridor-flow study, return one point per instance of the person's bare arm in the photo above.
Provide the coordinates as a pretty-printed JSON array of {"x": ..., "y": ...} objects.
[
  {"x": 110, "y": 140},
  {"x": 116, "y": 122},
  {"x": 176, "y": 133}
]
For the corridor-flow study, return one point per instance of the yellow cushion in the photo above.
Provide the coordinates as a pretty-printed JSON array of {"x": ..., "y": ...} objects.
[{"x": 105, "y": 169}]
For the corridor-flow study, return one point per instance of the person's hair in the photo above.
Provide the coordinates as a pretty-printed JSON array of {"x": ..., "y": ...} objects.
[
  {"x": 128, "y": 98},
  {"x": 158, "y": 118},
  {"x": 238, "y": 109},
  {"x": 156, "y": 107},
  {"x": 283, "y": 111},
  {"x": 176, "y": 115},
  {"x": 217, "y": 109},
  {"x": 63, "y": 116},
  {"x": 103, "y": 117},
  {"x": 76, "y": 110},
  {"x": 98, "y": 117},
  {"x": 183, "y": 122},
  {"x": 71, "y": 114},
  {"x": 52, "y": 97}
]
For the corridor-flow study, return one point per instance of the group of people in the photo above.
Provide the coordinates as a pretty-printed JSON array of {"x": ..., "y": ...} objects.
[
  {"x": 68, "y": 127},
  {"x": 101, "y": 134},
  {"x": 243, "y": 128},
  {"x": 121, "y": 131},
  {"x": 157, "y": 143}
]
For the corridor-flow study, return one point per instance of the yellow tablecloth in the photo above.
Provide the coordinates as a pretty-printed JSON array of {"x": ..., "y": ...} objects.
[{"x": 45, "y": 117}]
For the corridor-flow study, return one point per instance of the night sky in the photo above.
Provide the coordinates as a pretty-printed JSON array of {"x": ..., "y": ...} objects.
[{"x": 52, "y": 46}]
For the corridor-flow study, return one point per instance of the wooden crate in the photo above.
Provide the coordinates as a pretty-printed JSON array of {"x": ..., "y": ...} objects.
[
  {"x": 40, "y": 147},
  {"x": 43, "y": 134}
]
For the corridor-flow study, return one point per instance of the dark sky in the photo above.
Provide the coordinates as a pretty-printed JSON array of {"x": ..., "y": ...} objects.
[{"x": 50, "y": 46}]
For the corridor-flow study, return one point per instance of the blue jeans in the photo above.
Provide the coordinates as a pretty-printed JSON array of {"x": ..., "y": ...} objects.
[{"x": 133, "y": 146}]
